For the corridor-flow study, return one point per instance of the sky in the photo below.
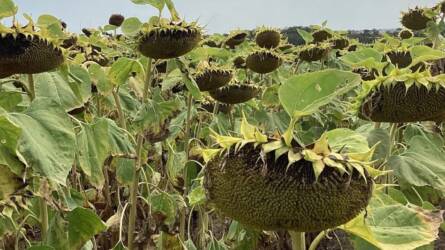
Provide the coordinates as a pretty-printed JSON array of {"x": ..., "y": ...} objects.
[{"x": 219, "y": 16}]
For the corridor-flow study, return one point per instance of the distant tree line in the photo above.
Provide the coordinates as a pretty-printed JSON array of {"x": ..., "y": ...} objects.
[{"x": 364, "y": 36}]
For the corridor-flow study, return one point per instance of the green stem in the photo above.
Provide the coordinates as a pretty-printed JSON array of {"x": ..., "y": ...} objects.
[
  {"x": 31, "y": 87},
  {"x": 120, "y": 112},
  {"x": 43, "y": 219},
  {"x": 183, "y": 212},
  {"x": 317, "y": 240},
  {"x": 134, "y": 185},
  {"x": 298, "y": 240},
  {"x": 392, "y": 136}
]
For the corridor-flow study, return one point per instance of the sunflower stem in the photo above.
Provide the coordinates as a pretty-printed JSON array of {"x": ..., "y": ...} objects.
[
  {"x": 317, "y": 240},
  {"x": 135, "y": 181},
  {"x": 31, "y": 87},
  {"x": 392, "y": 136},
  {"x": 183, "y": 213},
  {"x": 298, "y": 240},
  {"x": 43, "y": 219},
  {"x": 120, "y": 112}
]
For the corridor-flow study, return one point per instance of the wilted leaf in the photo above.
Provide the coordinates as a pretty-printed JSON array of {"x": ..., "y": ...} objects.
[
  {"x": 197, "y": 196},
  {"x": 164, "y": 204}
]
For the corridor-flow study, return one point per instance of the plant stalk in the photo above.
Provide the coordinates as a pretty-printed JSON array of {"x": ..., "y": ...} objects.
[
  {"x": 31, "y": 87},
  {"x": 134, "y": 185},
  {"x": 120, "y": 112},
  {"x": 42, "y": 202},
  {"x": 298, "y": 240},
  {"x": 183, "y": 212},
  {"x": 43, "y": 219},
  {"x": 317, "y": 240}
]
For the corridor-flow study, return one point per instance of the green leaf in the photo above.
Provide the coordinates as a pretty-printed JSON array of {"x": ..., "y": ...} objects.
[
  {"x": 10, "y": 100},
  {"x": 120, "y": 246},
  {"x": 9, "y": 183},
  {"x": 307, "y": 37},
  {"x": 69, "y": 93},
  {"x": 121, "y": 69},
  {"x": 100, "y": 78},
  {"x": 197, "y": 196},
  {"x": 152, "y": 114},
  {"x": 57, "y": 232},
  {"x": 94, "y": 147},
  {"x": 124, "y": 170},
  {"x": 7, "y": 8},
  {"x": 396, "y": 226},
  {"x": 424, "y": 53},
  {"x": 361, "y": 57},
  {"x": 48, "y": 141},
  {"x": 158, "y": 4},
  {"x": 189, "y": 245},
  {"x": 423, "y": 164},
  {"x": 47, "y": 20},
  {"x": 380, "y": 136},
  {"x": 304, "y": 94},
  {"x": 175, "y": 164},
  {"x": 83, "y": 224},
  {"x": 121, "y": 143},
  {"x": 50, "y": 26},
  {"x": 189, "y": 82},
  {"x": 202, "y": 53},
  {"x": 110, "y": 27},
  {"x": 165, "y": 205},
  {"x": 41, "y": 248},
  {"x": 131, "y": 26},
  {"x": 9, "y": 139},
  {"x": 171, "y": 8},
  {"x": 349, "y": 140}
]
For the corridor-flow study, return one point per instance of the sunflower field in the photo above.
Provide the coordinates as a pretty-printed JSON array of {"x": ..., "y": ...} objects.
[{"x": 152, "y": 134}]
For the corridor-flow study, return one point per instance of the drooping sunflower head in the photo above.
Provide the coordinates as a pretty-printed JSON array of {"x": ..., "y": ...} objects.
[
  {"x": 269, "y": 184},
  {"x": 23, "y": 50},
  {"x": 169, "y": 39},
  {"x": 268, "y": 38},
  {"x": 263, "y": 61},
  {"x": 417, "y": 18}
]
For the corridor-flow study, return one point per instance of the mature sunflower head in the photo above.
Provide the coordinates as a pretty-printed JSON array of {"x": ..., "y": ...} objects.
[
  {"x": 263, "y": 61},
  {"x": 402, "y": 96},
  {"x": 169, "y": 40},
  {"x": 25, "y": 51},
  {"x": 269, "y": 185},
  {"x": 268, "y": 38}
]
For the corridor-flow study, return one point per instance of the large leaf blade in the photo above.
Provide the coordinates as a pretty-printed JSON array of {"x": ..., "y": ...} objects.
[{"x": 304, "y": 94}]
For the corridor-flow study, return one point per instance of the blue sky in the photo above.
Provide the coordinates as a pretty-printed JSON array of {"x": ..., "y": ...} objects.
[{"x": 224, "y": 15}]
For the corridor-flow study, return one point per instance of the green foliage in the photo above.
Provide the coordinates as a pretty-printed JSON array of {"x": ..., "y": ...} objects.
[
  {"x": 109, "y": 134},
  {"x": 390, "y": 225},
  {"x": 7, "y": 8},
  {"x": 47, "y": 144},
  {"x": 422, "y": 164},
  {"x": 82, "y": 225},
  {"x": 306, "y": 93}
]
